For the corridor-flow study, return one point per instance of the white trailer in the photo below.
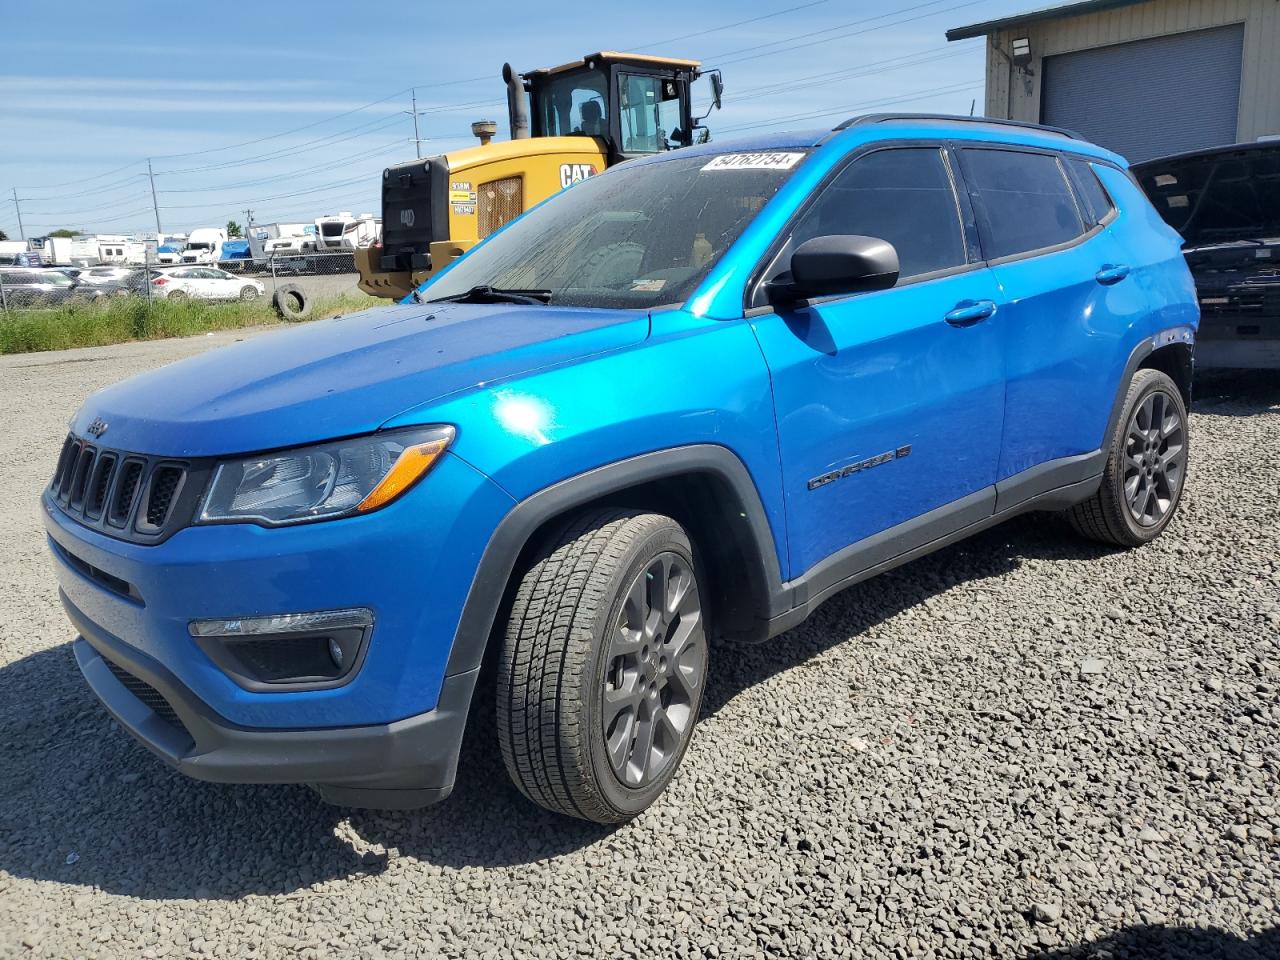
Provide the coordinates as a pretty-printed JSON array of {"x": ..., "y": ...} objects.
[{"x": 342, "y": 232}]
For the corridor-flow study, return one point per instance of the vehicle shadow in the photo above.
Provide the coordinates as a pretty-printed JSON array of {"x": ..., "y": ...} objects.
[
  {"x": 1236, "y": 393},
  {"x": 850, "y": 614},
  {"x": 1170, "y": 943},
  {"x": 84, "y": 804}
]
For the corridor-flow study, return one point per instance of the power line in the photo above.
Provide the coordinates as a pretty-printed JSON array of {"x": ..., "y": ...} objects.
[
  {"x": 820, "y": 79},
  {"x": 281, "y": 196},
  {"x": 730, "y": 26},
  {"x": 104, "y": 208},
  {"x": 842, "y": 36},
  {"x": 372, "y": 126},
  {"x": 889, "y": 101},
  {"x": 363, "y": 154}
]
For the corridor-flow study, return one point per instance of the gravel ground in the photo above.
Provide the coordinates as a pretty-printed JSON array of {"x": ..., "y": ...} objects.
[{"x": 1021, "y": 746}]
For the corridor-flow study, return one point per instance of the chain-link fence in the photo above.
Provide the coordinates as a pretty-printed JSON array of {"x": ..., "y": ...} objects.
[{"x": 318, "y": 276}]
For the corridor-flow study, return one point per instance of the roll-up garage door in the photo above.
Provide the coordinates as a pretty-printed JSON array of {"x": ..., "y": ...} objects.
[{"x": 1149, "y": 98}]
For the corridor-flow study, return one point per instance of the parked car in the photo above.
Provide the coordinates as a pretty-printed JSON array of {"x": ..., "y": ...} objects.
[
  {"x": 294, "y": 265},
  {"x": 41, "y": 287},
  {"x": 206, "y": 283},
  {"x": 1226, "y": 204},
  {"x": 117, "y": 281},
  {"x": 692, "y": 397}
]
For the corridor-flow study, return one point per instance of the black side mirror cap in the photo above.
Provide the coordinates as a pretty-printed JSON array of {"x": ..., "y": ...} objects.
[{"x": 836, "y": 264}]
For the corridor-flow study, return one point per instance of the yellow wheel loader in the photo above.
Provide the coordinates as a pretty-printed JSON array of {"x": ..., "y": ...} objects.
[{"x": 567, "y": 123}]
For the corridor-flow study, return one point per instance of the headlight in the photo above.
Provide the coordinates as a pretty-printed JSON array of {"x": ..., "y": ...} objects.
[{"x": 324, "y": 481}]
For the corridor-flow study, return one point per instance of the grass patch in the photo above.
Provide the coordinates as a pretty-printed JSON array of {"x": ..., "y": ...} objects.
[{"x": 121, "y": 319}]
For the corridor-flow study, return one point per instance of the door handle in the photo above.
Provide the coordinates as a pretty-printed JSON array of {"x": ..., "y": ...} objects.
[
  {"x": 1112, "y": 273},
  {"x": 968, "y": 312}
]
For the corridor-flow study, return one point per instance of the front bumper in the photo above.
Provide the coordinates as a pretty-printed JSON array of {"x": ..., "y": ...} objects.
[
  {"x": 411, "y": 564},
  {"x": 405, "y": 764}
]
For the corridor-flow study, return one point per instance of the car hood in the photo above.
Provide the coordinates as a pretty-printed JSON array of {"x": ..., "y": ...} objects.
[
  {"x": 341, "y": 377},
  {"x": 1217, "y": 196}
]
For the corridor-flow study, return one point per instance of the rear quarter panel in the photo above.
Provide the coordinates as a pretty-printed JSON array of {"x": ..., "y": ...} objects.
[{"x": 1160, "y": 293}]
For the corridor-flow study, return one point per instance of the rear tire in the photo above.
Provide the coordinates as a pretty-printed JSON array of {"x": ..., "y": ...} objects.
[
  {"x": 176, "y": 295},
  {"x": 603, "y": 665},
  {"x": 1146, "y": 467}
]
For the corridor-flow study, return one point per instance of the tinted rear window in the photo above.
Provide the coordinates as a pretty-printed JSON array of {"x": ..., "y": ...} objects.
[
  {"x": 1094, "y": 201},
  {"x": 1023, "y": 199}
]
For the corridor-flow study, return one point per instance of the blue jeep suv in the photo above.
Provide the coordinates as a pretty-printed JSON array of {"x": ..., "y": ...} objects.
[{"x": 688, "y": 399}]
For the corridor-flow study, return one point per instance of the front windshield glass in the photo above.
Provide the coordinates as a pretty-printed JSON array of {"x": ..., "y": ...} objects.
[
  {"x": 635, "y": 237},
  {"x": 574, "y": 104}
]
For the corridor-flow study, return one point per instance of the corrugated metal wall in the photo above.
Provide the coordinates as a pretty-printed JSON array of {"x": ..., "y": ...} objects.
[
  {"x": 1191, "y": 84},
  {"x": 1258, "y": 112}
]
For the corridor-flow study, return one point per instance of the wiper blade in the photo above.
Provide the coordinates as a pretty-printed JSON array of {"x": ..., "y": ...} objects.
[{"x": 487, "y": 294}]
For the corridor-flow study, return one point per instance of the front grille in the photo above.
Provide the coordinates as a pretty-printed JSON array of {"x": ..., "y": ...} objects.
[
  {"x": 164, "y": 484},
  {"x": 151, "y": 698},
  {"x": 500, "y": 202},
  {"x": 128, "y": 496}
]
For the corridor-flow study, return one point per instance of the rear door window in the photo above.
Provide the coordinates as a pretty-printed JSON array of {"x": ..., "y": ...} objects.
[
  {"x": 1095, "y": 204},
  {"x": 903, "y": 195},
  {"x": 1023, "y": 199}
]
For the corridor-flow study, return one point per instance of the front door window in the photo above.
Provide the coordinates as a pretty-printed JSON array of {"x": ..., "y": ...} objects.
[{"x": 649, "y": 108}]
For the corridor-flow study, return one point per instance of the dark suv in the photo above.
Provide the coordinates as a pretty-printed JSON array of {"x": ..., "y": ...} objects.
[
  {"x": 1226, "y": 204},
  {"x": 692, "y": 397}
]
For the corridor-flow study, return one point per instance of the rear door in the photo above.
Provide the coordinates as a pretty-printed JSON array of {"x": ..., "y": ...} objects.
[
  {"x": 886, "y": 408},
  {"x": 1056, "y": 265}
]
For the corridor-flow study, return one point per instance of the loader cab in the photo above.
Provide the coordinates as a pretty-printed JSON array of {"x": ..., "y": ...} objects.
[{"x": 636, "y": 104}]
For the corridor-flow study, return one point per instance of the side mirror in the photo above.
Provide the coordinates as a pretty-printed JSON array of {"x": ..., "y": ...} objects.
[
  {"x": 717, "y": 88},
  {"x": 826, "y": 266}
]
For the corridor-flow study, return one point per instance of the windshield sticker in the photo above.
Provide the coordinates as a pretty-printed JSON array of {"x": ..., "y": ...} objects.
[
  {"x": 755, "y": 161},
  {"x": 648, "y": 286}
]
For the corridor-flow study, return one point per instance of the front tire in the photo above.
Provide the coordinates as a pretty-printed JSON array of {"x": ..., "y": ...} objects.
[
  {"x": 603, "y": 665},
  {"x": 1146, "y": 467},
  {"x": 248, "y": 292}
]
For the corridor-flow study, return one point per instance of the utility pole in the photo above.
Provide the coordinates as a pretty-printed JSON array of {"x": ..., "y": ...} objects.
[
  {"x": 417, "y": 137},
  {"x": 248, "y": 223},
  {"x": 22, "y": 234},
  {"x": 154, "y": 205}
]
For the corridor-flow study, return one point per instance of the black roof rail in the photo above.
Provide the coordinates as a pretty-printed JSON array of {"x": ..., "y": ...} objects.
[{"x": 869, "y": 118}]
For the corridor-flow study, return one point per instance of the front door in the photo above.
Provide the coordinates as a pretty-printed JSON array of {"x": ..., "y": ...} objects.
[{"x": 889, "y": 404}]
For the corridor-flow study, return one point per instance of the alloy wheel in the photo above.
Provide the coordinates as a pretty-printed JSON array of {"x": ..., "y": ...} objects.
[
  {"x": 1155, "y": 458},
  {"x": 654, "y": 668}
]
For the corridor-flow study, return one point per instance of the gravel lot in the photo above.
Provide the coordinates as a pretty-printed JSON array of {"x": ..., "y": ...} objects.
[{"x": 1021, "y": 746}]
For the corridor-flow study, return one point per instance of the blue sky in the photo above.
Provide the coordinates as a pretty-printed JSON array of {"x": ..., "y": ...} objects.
[{"x": 294, "y": 109}]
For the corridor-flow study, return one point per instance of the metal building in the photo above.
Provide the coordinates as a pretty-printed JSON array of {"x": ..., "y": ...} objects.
[{"x": 1146, "y": 78}]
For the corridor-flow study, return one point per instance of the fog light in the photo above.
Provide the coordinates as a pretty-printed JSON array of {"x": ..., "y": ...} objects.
[
  {"x": 288, "y": 651},
  {"x": 283, "y": 623}
]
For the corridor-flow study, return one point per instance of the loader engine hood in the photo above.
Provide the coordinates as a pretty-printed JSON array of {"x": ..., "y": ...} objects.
[
  {"x": 342, "y": 377},
  {"x": 1227, "y": 195}
]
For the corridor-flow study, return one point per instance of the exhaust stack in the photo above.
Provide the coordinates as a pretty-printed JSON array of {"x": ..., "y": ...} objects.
[{"x": 517, "y": 109}]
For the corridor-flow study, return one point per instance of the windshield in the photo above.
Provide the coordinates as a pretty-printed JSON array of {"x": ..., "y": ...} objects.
[
  {"x": 635, "y": 237},
  {"x": 199, "y": 246},
  {"x": 573, "y": 104}
]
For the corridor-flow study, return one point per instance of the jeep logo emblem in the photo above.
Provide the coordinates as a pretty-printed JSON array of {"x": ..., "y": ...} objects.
[
  {"x": 406, "y": 217},
  {"x": 97, "y": 428}
]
